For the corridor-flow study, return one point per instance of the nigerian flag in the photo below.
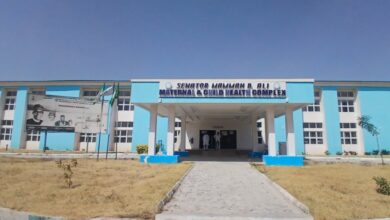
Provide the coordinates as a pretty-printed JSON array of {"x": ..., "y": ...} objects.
[{"x": 115, "y": 95}]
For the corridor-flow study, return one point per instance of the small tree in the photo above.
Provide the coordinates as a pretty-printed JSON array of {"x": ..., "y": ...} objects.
[
  {"x": 67, "y": 167},
  {"x": 365, "y": 123}
]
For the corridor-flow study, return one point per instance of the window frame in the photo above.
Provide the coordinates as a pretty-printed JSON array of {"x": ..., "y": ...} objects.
[{"x": 313, "y": 133}]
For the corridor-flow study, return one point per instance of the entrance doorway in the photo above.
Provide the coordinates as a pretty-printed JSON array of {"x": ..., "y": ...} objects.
[{"x": 228, "y": 139}]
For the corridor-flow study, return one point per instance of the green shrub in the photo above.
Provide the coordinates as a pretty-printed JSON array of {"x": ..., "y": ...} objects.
[
  {"x": 143, "y": 148},
  {"x": 383, "y": 186},
  {"x": 157, "y": 148},
  {"x": 327, "y": 153},
  {"x": 339, "y": 153}
]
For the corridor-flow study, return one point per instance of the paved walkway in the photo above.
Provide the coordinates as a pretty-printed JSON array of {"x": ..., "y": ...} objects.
[{"x": 228, "y": 190}]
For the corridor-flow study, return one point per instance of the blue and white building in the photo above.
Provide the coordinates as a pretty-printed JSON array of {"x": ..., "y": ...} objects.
[{"x": 284, "y": 118}]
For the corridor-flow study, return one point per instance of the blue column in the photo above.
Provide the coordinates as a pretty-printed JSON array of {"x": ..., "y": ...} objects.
[
  {"x": 140, "y": 127},
  {"x": 332, "y": 119},
  {"x": 298, "y": 130},
  {"x": 162, "y": 131},
  {"x": 280, "y": 131},
  {"x": 19, "y": 118}
]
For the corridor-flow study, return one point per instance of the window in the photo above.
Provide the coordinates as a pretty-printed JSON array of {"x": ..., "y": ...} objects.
[
  {"x": 348, "y": 133},
  {"x": 123, "y": 136},
  {"x": 258, "y": 124},
  {"x": 33, "y": 135},
  {"x": 6, "y": 130},
  {"x": 124, "y": 101},
  {"x": 124, "y": 104},
  {"x": 346, "y": 101},
  {"x": 124, "y": 93},
  {"x": 124, "y": 124},
  {"x": 11, "y": 93},
  {"x": 259, "y": 137},
  {"x": 7, "y": 122},
  {"x": 123, "y": 132},
  {"x": 316, "y": 106},
  {"x": 38, "y": 92},
  {"x": 312, "y": 125},
  {"x": 178, "y": 124},
  {"x": 90, "y": 93},
  {"x": 5, "y": 133},
  {"x": 88, "y": 137},
  {"x": 10, "y": 100},
  {"x": 312, "y": 133}
]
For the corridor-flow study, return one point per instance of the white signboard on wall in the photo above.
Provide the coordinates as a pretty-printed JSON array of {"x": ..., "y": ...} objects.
[
  {"x": 58, "y": 113},
  {"x": 223, "y": 88}
]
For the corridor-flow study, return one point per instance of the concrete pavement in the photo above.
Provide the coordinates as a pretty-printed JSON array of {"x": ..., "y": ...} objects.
[{"x": 229, "y": 190}]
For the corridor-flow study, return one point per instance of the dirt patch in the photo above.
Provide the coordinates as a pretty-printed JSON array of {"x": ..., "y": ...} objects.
[{"x": 115, "y": 188}]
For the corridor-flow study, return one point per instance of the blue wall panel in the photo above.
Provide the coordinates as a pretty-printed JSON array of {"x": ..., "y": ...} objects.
[
  {"x": 298, "y": 130},
  {"x": 61, "y": 141},
  {"x": 300, "y": 92},
  {"x": 332, "y": 119},
  {"x": 19, "y": 117},
  {"x": 162, "y": 132},
  {"x": 374, "y": 102},
  {"x": 145, "y": 92},
  {"x": 140, "y": 127},
  {"x": 280, "y": 131}
]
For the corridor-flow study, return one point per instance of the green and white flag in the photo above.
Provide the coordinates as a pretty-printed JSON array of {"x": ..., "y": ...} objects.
[
  {"x": 115, "y": 94},
  {"x": 105, "y": 92}
]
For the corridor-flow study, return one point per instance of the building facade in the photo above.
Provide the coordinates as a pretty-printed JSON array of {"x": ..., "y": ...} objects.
[{"x": 274, "y": 116}]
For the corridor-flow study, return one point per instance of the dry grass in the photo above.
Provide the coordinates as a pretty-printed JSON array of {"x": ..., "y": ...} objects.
[
  {"x": 122, "y": 188},
  {"x": 3, "y": 150},
  {"x": 336, "y": 191}
]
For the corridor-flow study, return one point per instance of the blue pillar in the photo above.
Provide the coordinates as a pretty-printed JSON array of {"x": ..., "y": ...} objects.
[
  {"x": 140, "y": 127},
  {"x": 332, "y": 119},
  {"x": 280, "y": 131},
  {"x": 298, "y": 130},
  {"x": 162, "y": 131},
  {"x": 19, "y": 118}
]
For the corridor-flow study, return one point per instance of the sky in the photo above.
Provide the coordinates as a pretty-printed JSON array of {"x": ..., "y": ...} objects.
[{"x": 121, "y": 40}]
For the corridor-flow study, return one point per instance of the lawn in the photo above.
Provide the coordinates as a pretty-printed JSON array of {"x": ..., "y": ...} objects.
[
  {"x": 114, "y": 188},
  {"x": 335, "y": 191}
]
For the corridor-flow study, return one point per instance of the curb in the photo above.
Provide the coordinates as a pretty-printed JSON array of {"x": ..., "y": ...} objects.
[
  {"x": 68, "y": 156},
  {"x": 286, "y": 194},
  {"x": 10, "y": 214},
  {"x": 344, "y": 159},
  {"x": 168, "y": 196}
]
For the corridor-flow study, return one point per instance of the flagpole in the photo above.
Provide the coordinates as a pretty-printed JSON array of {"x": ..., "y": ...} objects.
[
  {"x": 109, "y": 130},
  {"x": 100, "y": 122},
  {"x": 117, "y": 106}
]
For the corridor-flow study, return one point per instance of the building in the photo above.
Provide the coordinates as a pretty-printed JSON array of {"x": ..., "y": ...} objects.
[{"x": 279, "y": 116}]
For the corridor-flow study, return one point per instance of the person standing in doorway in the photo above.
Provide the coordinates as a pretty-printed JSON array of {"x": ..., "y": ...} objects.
[
  {"x": 206, "y": 141},
  {"x": 217, "y": 138}
]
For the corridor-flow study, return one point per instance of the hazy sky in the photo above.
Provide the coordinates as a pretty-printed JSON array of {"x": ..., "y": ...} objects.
[{"x": 324, "y": 40}]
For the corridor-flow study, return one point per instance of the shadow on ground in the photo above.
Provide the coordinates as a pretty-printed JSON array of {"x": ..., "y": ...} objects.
[{"x": 220, "y": 156}]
